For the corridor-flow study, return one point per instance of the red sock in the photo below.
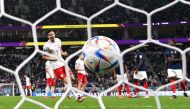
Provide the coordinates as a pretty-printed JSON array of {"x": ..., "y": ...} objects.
[
  {"x": 173, "y": 86},
  {"x": 136, "y": 89},
  {"x": 183, "y": 85},
  {"x": 146, "y": 86},
  {"x": 128, "y": 89},
  {"x": 119, "y": 89}
]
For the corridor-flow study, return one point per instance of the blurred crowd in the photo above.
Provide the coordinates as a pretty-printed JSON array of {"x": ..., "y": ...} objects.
[
  {"x": 27, "y": 10},
  {"x": 11, "y": 57}
]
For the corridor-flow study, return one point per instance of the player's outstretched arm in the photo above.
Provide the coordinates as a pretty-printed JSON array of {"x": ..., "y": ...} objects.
[
  {"x": 47, "y": 58},
  {"x": 64, "y": 53}
]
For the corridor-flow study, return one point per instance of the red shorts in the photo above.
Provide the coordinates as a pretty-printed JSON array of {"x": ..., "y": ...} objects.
[
  {"x": 60, "y": 73},
  {"x": 82, "y": 78},
  {"x": 51, "y": 81},
  {"x": 28, "y": 87}
]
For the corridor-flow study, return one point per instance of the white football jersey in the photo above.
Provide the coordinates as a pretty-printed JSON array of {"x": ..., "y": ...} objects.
[
  {"x": 54, "y": 48},
  {"x": 28, "y": 81},
  {"x": 80, "y": 64}
]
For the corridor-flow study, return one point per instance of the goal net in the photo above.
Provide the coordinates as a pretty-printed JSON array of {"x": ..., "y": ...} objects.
[{"x": 7, "y": 89}]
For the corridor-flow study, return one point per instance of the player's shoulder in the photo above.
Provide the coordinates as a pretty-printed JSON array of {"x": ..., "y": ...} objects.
[
  {"x": 57, "y": 39},
  {"x": 46, "y": 43}
]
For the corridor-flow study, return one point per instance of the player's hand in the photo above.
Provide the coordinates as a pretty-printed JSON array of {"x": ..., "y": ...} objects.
[
  {"x": 53, "y": 59},
  {"x": 170, "y": 59},
  {"x": 65, "y": 53},
  {"x": 165, "y": 72},
  {"x": 135, "y": 72}
]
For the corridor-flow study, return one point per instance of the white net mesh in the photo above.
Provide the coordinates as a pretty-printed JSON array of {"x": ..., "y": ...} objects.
[{"x": 99, "y": 97}]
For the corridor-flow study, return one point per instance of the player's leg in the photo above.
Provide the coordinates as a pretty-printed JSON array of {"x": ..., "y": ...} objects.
[
  {"x": 71, "y": 75},
  {"x": 119, "y": 89},
  {"x": 182, "y": 83},
  {"x": 127, "y": 87},
  {"x": 172, "y": 78},
  {"x": 173, "y": 87},
  {"x": 52, "y": 85},
  {"x": 136, "y": 78},
  {"x": 50, "y": 81},
  {"x": 144, "y": 79},
  {"x": 136, "y": 82},
  {"x": 145, "y": 85},
  {"x": 83, "y": 86},
  {"x": 47, "y": 89},
  {"x": 26, "y": 91},
  {"x": 30, "y": 90}
]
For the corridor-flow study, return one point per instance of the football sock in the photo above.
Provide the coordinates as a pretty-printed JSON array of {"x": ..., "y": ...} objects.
[{"x": 173, "y": 87}]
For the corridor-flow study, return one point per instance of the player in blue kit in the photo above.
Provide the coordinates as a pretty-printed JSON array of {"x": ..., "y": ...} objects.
[
  {"x": 174, "y": 68},
  {"x": 140, "y": 73}
]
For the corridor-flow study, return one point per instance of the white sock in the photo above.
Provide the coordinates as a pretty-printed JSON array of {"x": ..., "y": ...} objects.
[{"x": 26, "y": 90}]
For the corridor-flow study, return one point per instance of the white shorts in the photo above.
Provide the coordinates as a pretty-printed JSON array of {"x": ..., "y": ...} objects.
[
  {"x": 175, "y": 73},
  {"x": 57, "y": 64},
  {"x": 140, "y": 75},
  {"x": 49, "y": 72},
  {"x": 121, "y": 77}
]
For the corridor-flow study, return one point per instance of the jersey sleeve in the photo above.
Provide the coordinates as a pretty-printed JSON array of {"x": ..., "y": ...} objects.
[
  {"x": 59, "y": 41},
  {"x": 45, "y": 48}
]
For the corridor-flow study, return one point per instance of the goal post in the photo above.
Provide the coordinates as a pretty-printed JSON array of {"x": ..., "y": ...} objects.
[{"x": 7, "y": 89}]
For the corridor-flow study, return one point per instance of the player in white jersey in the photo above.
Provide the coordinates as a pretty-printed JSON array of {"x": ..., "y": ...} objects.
[
  {"x": 53, "y": 47},
  {"x": 28, "y": 85},
  {"x": 50, "y": 79},
  {"x": 81, "y": 75}
]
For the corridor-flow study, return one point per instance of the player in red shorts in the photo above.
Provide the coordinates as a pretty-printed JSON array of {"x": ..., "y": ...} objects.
[
  {"x": 28, "y": 85},
  {"x": 81, "y": 75},
  {"x": 53, "y": 47},
  {"x": 50, "y": 79}
]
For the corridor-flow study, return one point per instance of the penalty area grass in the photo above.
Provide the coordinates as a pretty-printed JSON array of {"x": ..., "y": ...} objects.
[{"x": 111, "y": 102}]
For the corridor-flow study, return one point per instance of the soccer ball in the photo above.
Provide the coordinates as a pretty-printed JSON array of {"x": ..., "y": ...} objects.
[{"x": 98, "y": 54}]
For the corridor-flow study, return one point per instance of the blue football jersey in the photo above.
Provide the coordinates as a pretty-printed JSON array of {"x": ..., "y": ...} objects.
[{"x": 175, "y": 55}]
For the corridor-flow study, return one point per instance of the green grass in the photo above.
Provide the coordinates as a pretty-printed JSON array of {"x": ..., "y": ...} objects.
[{"x": 90, "y": 103}]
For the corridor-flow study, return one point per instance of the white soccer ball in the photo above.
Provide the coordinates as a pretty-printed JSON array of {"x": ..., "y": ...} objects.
[{"x": 99, "y": 54}]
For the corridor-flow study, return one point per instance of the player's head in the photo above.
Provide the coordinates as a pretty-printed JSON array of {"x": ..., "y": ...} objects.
[
  {"x": 171, "y": 42},
  {"x": 51, "y": 35}
]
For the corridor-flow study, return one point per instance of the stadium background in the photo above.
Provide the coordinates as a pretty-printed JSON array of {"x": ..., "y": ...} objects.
[{"x": 128, "y": 28}]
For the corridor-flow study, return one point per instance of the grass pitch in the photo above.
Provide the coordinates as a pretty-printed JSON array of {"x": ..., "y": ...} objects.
[{"x": 90, "y": 103}]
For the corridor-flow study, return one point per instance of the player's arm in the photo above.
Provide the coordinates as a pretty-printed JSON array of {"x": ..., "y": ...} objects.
[
  {"x": 64, "y": 53},
  {"x": 114, "y": 74},
  {"x": 165, "y": 64},
  {"x": 138, "y": 66},
  {"x": 140, "y": 63},
  {"x": 175, "y": 59},
  {"x": 47, "y": 58}
]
